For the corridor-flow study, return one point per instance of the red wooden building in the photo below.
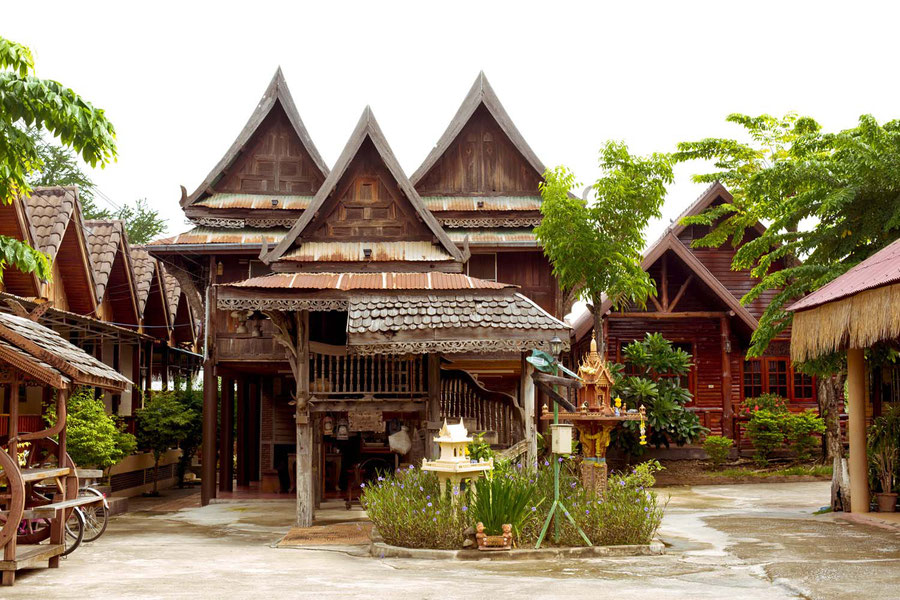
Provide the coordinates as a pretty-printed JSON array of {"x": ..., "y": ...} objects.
[{"x": 698, "y": 308}]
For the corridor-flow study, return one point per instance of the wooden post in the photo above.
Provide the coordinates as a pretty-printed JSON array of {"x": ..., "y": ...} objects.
[
  {"x": 859, "y": 466},
  {"x": 13, "y": 427},
  {"x": 242, "y": 428},
  {"x": 148, "y": 379},
  {"x": 226, "y": 437},
  {"x": 433, "y": 406},
  {"x": 165, "y": 366},
  {"x": 527, "y": 395},
  {"x": 305, "y": 499},
  {"x": 253, "y": 432},
  {"x": 210, "y": 395},
  {"x": 727, "y": 406}
]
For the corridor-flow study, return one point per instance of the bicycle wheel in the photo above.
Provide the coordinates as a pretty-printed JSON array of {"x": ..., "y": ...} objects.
[
  {"x": 74, "y": 531},
  {"x": 96, "y": 516}
]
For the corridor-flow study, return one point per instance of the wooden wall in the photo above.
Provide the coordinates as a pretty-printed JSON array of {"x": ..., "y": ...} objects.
[
  {"x": 367, "y": 205},
  {"x": 273, "y": 161},
  {"x": 531, "y": 271},
  {"x": 483, "y": 161}
]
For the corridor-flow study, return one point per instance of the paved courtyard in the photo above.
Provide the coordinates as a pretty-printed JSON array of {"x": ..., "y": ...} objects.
[{"x": 737, "y": 542}]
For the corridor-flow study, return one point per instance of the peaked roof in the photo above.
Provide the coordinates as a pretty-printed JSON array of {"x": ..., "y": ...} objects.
[
  {"x": 277, "y": 90},
  {"x": 49, "y": 210},
  {"x": 367, "y": 127},
  {"x": 704, "y": 201},
  {"x": 671, "y": 242},
  {"x": 105, "y": 239},
  {"x": 480, "y": 93},
  {"x": 173, "y": 294}
]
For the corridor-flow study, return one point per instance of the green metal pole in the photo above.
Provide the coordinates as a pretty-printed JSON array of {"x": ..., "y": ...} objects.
[{"x": 555, "y": 462}]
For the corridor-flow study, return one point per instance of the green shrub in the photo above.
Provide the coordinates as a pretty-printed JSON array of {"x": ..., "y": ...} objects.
[
  {"x": 717, "y": 448},
  {"x": 801, "y": 429},
  {"x": 770, "y": 402},
  {"x": 478, "y": 449},
  {"x": 766, "y": 432},
  {"x": 408, "y": 510},
  {"x": 501, "y": 498},
  {"x": 658, "y": 387}
]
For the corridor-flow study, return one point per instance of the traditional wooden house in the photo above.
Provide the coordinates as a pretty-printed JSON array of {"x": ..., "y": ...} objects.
[
  {"x": 345, "y": 304},
  {"x": 698, "y": 308}
]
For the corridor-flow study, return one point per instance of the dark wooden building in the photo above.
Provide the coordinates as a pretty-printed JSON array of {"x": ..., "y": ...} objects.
[
  {"x": 698, "y": 308},
  {"x": 346, "y": 304}
]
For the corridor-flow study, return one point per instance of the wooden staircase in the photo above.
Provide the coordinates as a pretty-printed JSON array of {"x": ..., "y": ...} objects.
[{"x": 463, "y": 397}]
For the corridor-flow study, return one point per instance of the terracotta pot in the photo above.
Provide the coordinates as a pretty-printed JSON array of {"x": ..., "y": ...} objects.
[{"x": 886, "y": 502}]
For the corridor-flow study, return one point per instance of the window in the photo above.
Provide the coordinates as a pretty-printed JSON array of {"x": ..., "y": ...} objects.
[
  {"x": 775, "y": 376},
  {"x": 803, "y": 387},
  {"x": 778, "y": 377},
  {"x": 482, "y": 266},
  {"x": 753, "y": 380}
]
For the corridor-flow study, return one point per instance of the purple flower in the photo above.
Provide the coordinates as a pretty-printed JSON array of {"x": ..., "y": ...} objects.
[
  {"x": 533, "y": 508},
  {"x": 429, "y": 504},
  {"x": 465, "y": 508},
  {"x": 401, "y": 486},
  {"x": 380, "y": 478},
  {"x": 559, "y": 459},
  {"x": 572, "y": 485},
  {"x": 646, "y": 509},
  {"x": 362, "y": 485},
  {"x": 546, "y": 464},
  {"x": 434, "y": 519},
  {"x": 421, "y": 489},
  {"x": 622, "y": 482},
  {"x": 423, "y": 510},
  {"x": 428, "y": 497},
  {"x": 587, "y": 512}
]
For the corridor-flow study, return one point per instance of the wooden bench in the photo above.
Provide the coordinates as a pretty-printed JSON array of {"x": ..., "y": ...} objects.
[{"x": 48, "y": 511}]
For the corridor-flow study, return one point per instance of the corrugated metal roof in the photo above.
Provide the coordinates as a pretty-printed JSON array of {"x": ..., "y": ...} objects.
[
  {"x": 214, "y": 235},
  {"x": 463, "y": 203},
  {"x": 493, "y": 236},
  {"x": 882, "y": 268},
  {"x": 369, "y": 281},
  {"x": 355, "y": 251},
  {"x": 256, "y": 201}
]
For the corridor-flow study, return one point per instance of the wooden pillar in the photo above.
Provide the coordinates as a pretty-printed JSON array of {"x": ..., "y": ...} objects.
[
  {"x": 859, "y": 466},
  {"x": 433, "y": 406},
  {"x": 165, "y": 366},
  {"x": 727, "y": 405},
  {"x": 528, "y": 400},
  {"x": 243, "y": 449},
  {"x": 305, "y": 498},
  {"x": 253, "y": 439},
  {"x": 136, "y": 396},
  {"x": 13, "y": 428},
  {"x": 148, "y": 379},
  {"x": 226, "y": 437},
  {"x": 210, "y": 395}
]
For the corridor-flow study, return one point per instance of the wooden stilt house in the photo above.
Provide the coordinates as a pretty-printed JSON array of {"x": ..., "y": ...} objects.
[{"x": 348, "y": 304}]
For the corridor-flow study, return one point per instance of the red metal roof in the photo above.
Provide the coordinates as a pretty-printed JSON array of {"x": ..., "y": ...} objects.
[
  {"x": 370, "y": 281},
  {"x": 882, "y": 268}
]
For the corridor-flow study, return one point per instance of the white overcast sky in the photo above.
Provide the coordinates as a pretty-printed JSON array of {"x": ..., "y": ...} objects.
[{"x": 180, "y": 79}]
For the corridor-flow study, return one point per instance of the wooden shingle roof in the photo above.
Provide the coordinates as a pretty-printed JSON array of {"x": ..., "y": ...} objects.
[
  {"x": 33, "y": 348},
  {"x": 49, "y": 210},
  {"x": 104, "y": 242}
]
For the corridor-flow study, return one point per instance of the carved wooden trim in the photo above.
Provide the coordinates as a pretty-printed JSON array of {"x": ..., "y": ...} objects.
[
  {"x": 270, "y": 304},
  {"x": 490, "y": 222},
  {"x": 222, "y": 222},
  {"x": 451, "y": 346},
  {"x": 191, "y": 293}
]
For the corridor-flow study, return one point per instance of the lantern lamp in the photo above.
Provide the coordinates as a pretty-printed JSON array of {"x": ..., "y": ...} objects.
[{"x": 555, "y": 346}]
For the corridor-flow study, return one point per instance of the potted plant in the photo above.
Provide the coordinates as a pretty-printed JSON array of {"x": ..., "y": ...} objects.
[
  {"x": 884, "y": 456},
  {"x": 885, "y": 459}
]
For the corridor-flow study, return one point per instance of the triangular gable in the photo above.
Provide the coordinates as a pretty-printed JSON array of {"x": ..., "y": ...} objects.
[
  {"x": 54, "y": 214},
  {"x": 275, "y": 103},
  {"x": 481, "y": 94},
  {"x": 671, "y": 242},
  {"x": 14, "y": 224},
  {"x": 714, "y": 192},
  {"x": 367, "y": 132},
  {"x": 111, "y": 259}
]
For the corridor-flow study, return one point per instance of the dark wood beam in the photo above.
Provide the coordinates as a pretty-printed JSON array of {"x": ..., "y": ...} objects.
[
  {"x": 680, "y": 293},
  {"x": 664, "y": 285},
  {"x": 670, "y": 315}
]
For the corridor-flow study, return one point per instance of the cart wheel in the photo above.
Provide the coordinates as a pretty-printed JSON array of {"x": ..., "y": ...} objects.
[{"x": 74, "y": 531}]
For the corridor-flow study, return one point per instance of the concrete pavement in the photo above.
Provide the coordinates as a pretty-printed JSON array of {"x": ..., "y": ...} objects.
[{"x": 741, "y": 542}]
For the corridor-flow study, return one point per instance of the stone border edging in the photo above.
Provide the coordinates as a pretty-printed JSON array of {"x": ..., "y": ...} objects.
[{"x": 382, "y": 550}]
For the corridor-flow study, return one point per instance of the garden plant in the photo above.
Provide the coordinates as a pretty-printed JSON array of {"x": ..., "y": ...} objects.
[{"x": 718, "y": 448}]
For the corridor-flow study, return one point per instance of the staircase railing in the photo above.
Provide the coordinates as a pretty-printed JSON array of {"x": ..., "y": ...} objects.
[{"x": 463, "y": 397}]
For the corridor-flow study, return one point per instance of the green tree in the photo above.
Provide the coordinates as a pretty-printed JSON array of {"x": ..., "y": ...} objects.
[
  {"x": 830, "y": 201},
  {"x": 161, "y": 425},
  {"x": 59, "y": 166},
  {"x": 92, "y": 436},
  {"x": 28, "y": 101},
  {"x": 659, "y": 368},
  {"x": 595, "y": 246},
  {"x": 191, "y": 400}
]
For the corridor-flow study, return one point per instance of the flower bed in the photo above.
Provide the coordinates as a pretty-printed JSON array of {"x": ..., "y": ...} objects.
[{"x": 409, "y": 511}]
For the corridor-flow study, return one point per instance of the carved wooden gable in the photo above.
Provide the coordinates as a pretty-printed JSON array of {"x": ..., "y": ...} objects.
[
  {"x": 274, "y": 161},
  {"x": 367, "y": 204},
  {"x": 481, "y": 160}
]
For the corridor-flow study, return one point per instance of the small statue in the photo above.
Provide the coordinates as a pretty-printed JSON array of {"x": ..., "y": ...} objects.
[
  {"x": 507, "y": 535},
  {"x": 480, "y": 536}
]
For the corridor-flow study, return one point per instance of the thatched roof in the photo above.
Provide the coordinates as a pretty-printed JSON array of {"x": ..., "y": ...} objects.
[{"x": 856, "y": 310}]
